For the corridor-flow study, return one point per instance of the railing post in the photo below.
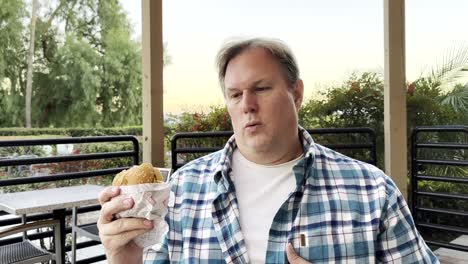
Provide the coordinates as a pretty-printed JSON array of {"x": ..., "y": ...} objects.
[{"x": 414, "y": 172}]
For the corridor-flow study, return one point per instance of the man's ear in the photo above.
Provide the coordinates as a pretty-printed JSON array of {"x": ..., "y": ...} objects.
[{"x": 298, "y": 93}]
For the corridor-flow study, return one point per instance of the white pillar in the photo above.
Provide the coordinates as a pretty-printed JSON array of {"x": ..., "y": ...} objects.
[
  {"x": 152, "y": 76},
  {"x": 395, "y": 94}
]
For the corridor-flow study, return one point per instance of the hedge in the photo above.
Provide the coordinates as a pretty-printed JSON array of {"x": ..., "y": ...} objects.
[{"x": 73, "y": 132}]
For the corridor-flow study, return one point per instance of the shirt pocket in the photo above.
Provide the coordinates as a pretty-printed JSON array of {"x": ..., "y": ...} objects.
[{"x": 336, "y": 246}]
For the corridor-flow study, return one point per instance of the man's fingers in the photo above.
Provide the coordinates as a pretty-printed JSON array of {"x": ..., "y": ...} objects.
[
  {"x": 120, "y": 240},
  {"x": 117, "y": 205},
  {"x": 125, "y": 224},
  {"x": 293, "y": 258},
  {"x": 108, "y": 193}
]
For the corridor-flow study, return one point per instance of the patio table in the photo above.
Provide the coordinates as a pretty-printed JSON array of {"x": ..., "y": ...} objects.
[{"x": 56, "y": 200}]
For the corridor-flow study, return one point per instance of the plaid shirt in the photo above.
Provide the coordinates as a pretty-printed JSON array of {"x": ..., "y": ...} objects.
[{"x": 346, "y": 211}]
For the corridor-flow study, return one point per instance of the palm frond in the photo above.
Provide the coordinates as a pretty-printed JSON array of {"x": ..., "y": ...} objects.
[
  {"x": 457, "y": 98},
  {"x": 453, "y": 69}
]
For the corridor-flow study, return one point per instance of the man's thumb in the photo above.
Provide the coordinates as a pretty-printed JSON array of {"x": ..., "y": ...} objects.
[{"x": 293, "y": 258}]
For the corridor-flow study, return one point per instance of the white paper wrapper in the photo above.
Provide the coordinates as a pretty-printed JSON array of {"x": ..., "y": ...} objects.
[{"x": 151, "y": 202}]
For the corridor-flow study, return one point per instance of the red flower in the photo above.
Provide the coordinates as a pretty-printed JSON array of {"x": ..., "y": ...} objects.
[
  {"x": 411, "y": 88},
  {"x": 355, "y": 86}
]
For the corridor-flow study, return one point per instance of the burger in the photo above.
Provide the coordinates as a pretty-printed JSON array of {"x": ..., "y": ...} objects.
[{"x": 144, "y": 173}]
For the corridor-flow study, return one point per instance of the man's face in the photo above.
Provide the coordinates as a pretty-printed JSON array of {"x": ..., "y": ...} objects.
[{"x": 262, "y": 107}]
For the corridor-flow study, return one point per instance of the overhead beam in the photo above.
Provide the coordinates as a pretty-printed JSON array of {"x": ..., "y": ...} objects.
[
  {"x": 152, "y": 77},
  {"x": 395, "y": 94}
]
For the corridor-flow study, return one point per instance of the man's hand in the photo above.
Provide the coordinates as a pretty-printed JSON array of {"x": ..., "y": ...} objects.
[
  {"x": 293, "y": 258},
  {"x": 117, "y": 235}
]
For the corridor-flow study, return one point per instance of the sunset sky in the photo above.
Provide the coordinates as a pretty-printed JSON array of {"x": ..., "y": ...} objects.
[{"x": 330, "y": 39}]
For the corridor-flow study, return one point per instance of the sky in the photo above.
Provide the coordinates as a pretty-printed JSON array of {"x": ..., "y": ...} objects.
[{"x": 331, "y": 39}]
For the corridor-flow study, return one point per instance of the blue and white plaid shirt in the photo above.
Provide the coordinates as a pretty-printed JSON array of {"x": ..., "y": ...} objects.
[{"x": 346, "y": 211}]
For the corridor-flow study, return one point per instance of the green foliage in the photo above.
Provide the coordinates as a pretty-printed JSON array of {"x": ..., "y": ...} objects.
[
  {"x": 97, "y": 164},
  {"x": 358, "y": 102},
  {"x": 217, "y": 119},
  {"x": 12, "y": 58},
  {"x": 64, "y": 96},
  {"x": 88, "y": 75},
  {"x": 73, "y": 132},
  {"x": 11, "y": 15},
  {"x": 458, "y": 99},
  {"x": 65, "y": 167},
  {"x": 452, "y": 69},
  {"x": 10, "y": 20},
  {"x": 424, "y": 107},
  {"x": 121, "y": 67}
]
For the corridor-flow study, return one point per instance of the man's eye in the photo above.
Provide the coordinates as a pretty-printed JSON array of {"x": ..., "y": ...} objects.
[
  {"x": 235, "y": 95},
  {"x": 261, "y": 89}
]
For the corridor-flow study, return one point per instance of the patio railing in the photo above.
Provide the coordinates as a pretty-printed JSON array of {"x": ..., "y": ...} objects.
[
  {"x": 358, "y": 143},
  {"x": 439, "y": 157},
  {"x": 439, "y": 184},
  {"x": 65, "y": 169}
]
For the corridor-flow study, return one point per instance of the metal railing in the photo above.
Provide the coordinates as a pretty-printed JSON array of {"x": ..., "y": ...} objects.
[
  {"x": 439, "y": 156},
  {"x": 132, "y": 156},
  {"x": 361, "y": 143}
]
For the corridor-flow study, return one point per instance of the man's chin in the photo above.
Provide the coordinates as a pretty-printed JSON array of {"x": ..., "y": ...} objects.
[{"x": 258, "y": 146}]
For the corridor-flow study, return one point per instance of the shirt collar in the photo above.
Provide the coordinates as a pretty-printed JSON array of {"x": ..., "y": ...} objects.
[
  {"x": 223, "y": 168},
  {"x": 308, "y": 144}
]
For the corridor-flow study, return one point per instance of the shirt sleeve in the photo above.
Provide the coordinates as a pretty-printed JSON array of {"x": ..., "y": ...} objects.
[
  {"x": 157, "y": 256},
  {"x": 160, "y": 253},
  {"x": 398, "y": 240}
]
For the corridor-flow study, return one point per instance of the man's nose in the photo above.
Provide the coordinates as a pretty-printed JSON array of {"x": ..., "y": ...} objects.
[{"x": 249, "y": 103}]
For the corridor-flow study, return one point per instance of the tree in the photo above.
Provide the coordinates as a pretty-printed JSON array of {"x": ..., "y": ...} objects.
[
  {"x": 66, "y": 94},
  {"x": 30, "y": 63},
  {"x": 358, "y": 102},
  {"x": 11, "y": 44},
  {"x": 92, "y": 77},
  {"x": 457, "y": 98},
  {"x": 452, "y": 70},
  {"x": 452, "y": 78},
  {"x": 121, "y": 67},
  {"x": 87, "y": 67}
]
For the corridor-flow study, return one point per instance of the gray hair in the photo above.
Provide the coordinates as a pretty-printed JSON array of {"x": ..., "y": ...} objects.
[{"x": 277, "y": 48}]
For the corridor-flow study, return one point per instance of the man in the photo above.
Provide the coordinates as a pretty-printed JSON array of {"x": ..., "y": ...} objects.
[{"x": 271, "y": 195}]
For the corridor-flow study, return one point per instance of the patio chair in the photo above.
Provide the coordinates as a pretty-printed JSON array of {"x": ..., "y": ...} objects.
[
  {"x": 26, "y": 252},
  {"x": 90, "y": 230}
]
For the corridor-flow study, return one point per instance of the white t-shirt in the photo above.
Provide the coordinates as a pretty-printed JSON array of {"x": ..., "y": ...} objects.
[{"x": 260, "y": 191}]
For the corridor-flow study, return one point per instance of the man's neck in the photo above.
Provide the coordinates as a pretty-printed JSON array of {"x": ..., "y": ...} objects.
[{"x": 273, "y": 157}]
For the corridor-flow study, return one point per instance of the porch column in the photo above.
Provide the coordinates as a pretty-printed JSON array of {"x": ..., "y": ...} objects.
[
  {"x": 152, "y": 76},
  {"x": 395, "y": 93}
]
